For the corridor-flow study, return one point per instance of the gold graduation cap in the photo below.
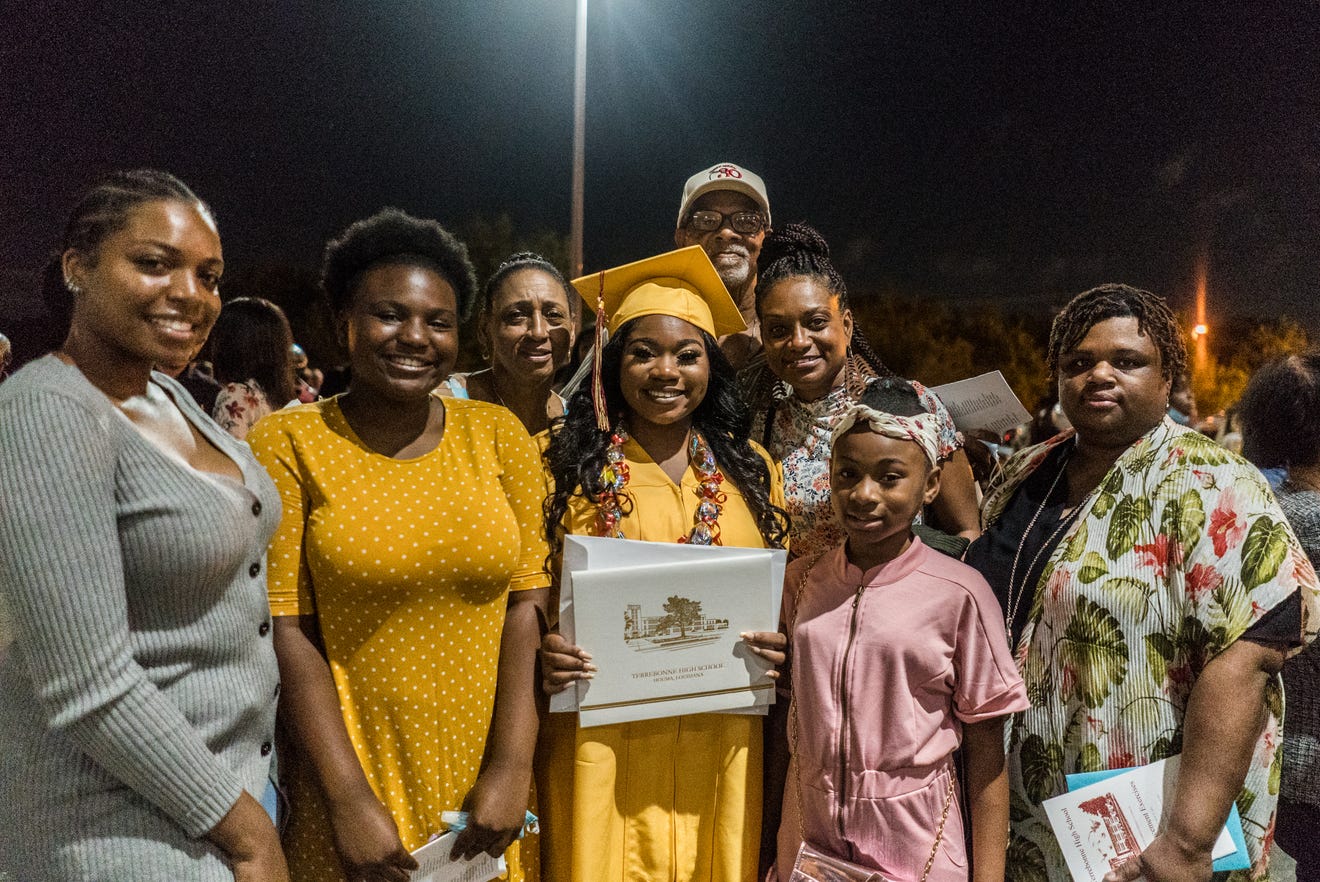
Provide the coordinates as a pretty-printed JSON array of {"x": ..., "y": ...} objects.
[{"x": 680, "y": 283}]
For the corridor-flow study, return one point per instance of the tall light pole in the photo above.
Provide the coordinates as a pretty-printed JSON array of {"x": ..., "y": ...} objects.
[{"x": 579, "y": 139}]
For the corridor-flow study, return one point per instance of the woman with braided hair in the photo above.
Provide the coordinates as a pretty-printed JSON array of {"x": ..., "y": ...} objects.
[
  {"x": 817, "y": 364},
  {"x": 138, "y": 695}
]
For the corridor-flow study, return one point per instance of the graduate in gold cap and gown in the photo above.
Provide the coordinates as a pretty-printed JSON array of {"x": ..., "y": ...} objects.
[{"x": 656, "y": 448}]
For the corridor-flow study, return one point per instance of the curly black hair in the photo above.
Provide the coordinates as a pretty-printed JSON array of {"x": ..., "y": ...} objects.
[
  {"x": 102, "y": 210},
  {"x": 893, "y": 395},
  {"x": 394, "y": 236},
  {"x": 1088, "y": 309},
  {"x": 576, "y": 455},
  {"x": 1280, "y": 413}
]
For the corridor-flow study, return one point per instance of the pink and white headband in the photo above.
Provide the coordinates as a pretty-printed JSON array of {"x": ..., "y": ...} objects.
[{"x": 920, "y": 428}]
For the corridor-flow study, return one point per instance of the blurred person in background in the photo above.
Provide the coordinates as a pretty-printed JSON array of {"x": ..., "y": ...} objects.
[
  {"x": 1182, "y": 403},
  {"x": 1280, "y": 417},
  {"x": 526, "y": 330},
  {"x": 193, "y": 376},
  {"x": 309, "y": 379},
  {"x": 251, "y": 350}
]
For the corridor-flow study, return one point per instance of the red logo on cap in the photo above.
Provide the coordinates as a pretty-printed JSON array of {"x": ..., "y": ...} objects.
[{"x": 724, "y": 171}]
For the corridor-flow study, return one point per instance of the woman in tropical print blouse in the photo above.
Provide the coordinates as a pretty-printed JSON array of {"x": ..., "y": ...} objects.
[{"x": 1152, "y": 588}]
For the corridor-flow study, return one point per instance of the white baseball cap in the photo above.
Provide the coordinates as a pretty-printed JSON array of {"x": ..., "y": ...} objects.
[{"x": 724, "y": 176}]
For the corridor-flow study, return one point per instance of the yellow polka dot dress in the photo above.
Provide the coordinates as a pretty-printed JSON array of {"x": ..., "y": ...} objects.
[{"x": 407, "y": 564}]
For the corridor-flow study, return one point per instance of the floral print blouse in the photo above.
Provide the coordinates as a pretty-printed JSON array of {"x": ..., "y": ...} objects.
[
  {"x": 1178, "y": 551},
  {"x": 800, "y": 442},
  {"x": 239, "y": 406}
]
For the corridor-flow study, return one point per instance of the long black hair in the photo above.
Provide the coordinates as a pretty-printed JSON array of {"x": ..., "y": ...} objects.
[
  {"x": 576, "y": 455},
  {"x": 251, "y": 341}
]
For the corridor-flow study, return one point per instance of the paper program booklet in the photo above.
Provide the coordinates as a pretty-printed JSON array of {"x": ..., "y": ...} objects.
[
  {"x": 662, "y": 623},
  {"x": 1104, "y": 824},
  {"x": 434, "y": 865},
  {"x": 985, "y": 402}
]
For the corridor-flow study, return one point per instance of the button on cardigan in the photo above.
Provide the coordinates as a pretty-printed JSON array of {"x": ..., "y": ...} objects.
[{"x": 137, "y": 693}]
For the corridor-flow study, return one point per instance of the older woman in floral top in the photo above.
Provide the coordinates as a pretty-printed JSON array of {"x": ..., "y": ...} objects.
[{"x": 1153, "y": 589}]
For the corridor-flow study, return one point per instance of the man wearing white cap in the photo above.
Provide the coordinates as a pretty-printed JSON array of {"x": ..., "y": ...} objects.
[{"x": 725, "y": 210}]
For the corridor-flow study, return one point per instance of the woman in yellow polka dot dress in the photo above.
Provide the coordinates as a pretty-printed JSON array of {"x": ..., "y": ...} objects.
[
  {"x": 405, "y": 578},
  {"x": 675, "y": 799}
]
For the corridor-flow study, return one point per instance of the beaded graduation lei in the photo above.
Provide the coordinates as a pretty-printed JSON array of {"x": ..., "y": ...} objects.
[{"x": 614, "y": 476}]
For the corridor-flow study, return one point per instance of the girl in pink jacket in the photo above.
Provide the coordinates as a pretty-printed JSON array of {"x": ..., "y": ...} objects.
[{"x": 898, "y": 656}]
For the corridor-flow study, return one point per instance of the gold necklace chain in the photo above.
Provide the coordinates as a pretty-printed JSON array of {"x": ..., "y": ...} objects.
[{"x": 1017, "y": 591}]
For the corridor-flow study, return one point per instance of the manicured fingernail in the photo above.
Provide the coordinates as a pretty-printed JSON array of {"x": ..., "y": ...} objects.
[
  {"x": 590, "y": 668},
  {"x": 585, "y": 656},
  {"x": 746, "y": 635},
  {"x": 586, "y": 676}
]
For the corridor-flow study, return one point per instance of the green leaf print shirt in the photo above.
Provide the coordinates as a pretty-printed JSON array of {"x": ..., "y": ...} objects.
[{"x": 1179, "y": 551}]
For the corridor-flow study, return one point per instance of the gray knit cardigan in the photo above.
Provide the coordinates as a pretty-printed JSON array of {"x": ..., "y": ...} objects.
[{"x": 137, "y": 699}]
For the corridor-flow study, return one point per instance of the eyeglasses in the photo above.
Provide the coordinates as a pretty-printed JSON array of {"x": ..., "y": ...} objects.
[{"x": 745, "y": 223}]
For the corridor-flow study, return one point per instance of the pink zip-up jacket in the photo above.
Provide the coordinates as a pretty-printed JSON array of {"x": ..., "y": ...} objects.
[{"x": 886, "y": 667}]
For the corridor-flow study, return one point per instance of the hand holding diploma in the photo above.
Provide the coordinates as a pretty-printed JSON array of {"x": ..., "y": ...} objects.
[
  {"x": 769, "y": 645},
  {"x": 657, "y": 629},
  {"x": 496, "y": 809},
  {"x": 563, "y": 664}
]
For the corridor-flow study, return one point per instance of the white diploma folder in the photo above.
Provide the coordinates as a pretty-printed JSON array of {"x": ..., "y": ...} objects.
[
  {"x": 661, "y": 621},
  {"x": 434, "y": 865}
]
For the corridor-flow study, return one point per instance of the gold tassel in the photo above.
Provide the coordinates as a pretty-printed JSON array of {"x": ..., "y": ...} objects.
[{"x": 597, "y": 382}]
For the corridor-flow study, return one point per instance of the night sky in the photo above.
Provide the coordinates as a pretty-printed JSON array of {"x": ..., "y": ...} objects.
[{"x": 1010, "y": 152}]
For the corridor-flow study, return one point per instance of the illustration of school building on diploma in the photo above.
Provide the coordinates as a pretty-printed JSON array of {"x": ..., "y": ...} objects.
[{"x": 681, "y": 623}]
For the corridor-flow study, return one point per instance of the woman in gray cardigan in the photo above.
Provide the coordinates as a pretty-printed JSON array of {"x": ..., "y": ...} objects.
[{"x": 137, "y": 700}]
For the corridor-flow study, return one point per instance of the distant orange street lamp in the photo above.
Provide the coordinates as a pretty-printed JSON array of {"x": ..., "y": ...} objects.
[{"x": 1201, "y": 330}]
